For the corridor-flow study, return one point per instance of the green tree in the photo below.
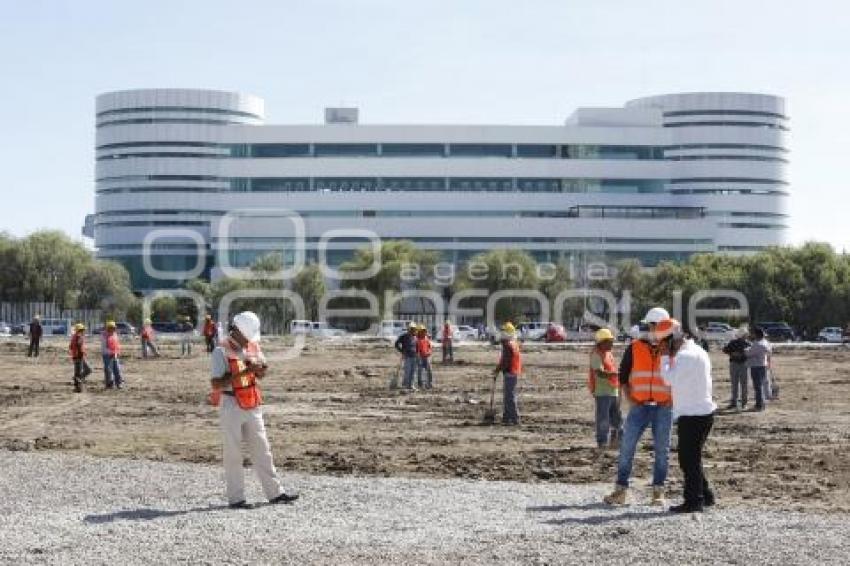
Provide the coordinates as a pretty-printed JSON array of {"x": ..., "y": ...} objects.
[
  {"x": 501, "y": 270},
  {"x": 105, "y": 285},
  {"x": 309, "y": 284}
]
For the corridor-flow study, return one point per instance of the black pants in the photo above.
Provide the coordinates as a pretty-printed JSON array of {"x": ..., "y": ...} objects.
[
  {"x": 693, "y": 432},
  {"x": 210, "y": 343},
  {"x": 33, "y": 351},
  {"x": 81, "y": 371}
]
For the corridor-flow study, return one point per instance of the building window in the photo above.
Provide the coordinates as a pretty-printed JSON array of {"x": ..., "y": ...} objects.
[
  {"x": 346, "y": 149},
  {"x": 277, "y": 150},
  {"x": 413, "y": 149},
  {"x": 480, "y": 150},
  {"x": 529, "y": 150}
]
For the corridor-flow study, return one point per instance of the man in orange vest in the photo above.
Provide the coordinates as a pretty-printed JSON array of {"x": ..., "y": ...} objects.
[
  {"x": 651, "y": 406},
  {"x": 77, "y": 349},
  {"x": 448, "y": 351},
  {"x": 510, "y": 364},
  {"x": 238, "y": 365},
  {"x": 110, "y": 349},
  {"x": 148, "y": 336},
  {"x": 603, "y": 381},
  {"x": 209, "y": 332},
  {"x": 424, "y": 348}
]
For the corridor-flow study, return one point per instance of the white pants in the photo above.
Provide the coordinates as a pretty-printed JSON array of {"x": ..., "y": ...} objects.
[{"x": 237, "y": 424}]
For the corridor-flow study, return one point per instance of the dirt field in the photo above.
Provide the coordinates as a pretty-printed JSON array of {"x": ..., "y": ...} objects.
[{"x": 330, "y": 411}]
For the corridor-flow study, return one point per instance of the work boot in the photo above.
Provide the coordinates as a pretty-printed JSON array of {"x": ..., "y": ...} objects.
[
  {"x": 657, "y": 495},
  {"x": 687, "y": 508},
  {"x": 284, "y": 498},
  {"x": 617, "y": 497},
  {"x": 240, "y": 505}
]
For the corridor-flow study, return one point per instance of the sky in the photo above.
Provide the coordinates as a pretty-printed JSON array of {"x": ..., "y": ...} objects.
[{"x": 434, "y": 61}]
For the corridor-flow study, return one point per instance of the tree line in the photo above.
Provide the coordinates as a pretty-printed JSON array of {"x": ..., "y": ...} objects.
[{"x": 807, "y": 286}]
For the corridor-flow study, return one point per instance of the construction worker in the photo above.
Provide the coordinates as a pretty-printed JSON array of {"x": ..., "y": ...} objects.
[
  {"x": 186, "y": 335},
  {"x": 147, "y": 337},
  {"x": 603, "y": 381},
  {"x": 736, "y": 349},
  {"x": 36, "y": 332},
  {"x": 405, "y": 344},
  {"x": 110, "y": 349},
  {"x": 209, "y": 332},
  {"x": 424, "y": 348},
  {"x": 77, "y": 349},
  {"x": 238, "y": 365},
  {"x": 687, "y": 367},
  {"x": 448, "y": 350},
  {"x": 651, "y": 406},
  {"x": 758, "y": 360},
  {"x": 510, "y": 365}
]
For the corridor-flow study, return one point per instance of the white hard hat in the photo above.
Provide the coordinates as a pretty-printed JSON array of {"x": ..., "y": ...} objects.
[
  {"x": 248, "y": 324},
  {"x": 634, "y": 331},
  {"x": 656, "y": 315}
]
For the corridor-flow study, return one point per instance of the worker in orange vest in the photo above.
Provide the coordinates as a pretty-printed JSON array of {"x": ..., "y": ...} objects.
[
  {"x": 424, "y": 348},
  {"x": 110, "y": 349},
  {"x": 238, "y": 365},
  {"x": 642, "y": 384},
  {"x": 77, "y": 349},
  {"x": 209, "y": 332},
  {"x": 448, "y": 350},
  {"x": 510, "y": 365},
  {"x": 148, "y": 336}
]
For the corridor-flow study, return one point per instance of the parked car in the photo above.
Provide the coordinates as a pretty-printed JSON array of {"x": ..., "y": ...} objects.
[
  {"x": 53, "y": 327},
  {"x": 831, "y": 334},
  {"x": 19, "y": 329},
  {"x": 464, "y": 332},
  {"x": 5, "y": 329},
  {"x": 322, "y": 330},
  {"x": 717, "y": 332},
  {"x": 555, "y": 333},
  {"x": 584, "y": 333},
  {"x": 392, "y": 328},
  {"x": 777, "y": 331},
  {"x": 300, "y": 327},
  {"x": 168, "y": 327},
  {"x": 532, "y": 331},
  {"x": 123, "y": 329}
]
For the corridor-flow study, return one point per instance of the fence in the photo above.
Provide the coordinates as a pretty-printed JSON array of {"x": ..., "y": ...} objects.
[{"x": 23, "y": 313}]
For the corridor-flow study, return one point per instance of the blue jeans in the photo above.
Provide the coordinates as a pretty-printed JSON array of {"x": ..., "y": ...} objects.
[
  {"x": 510, "y": 409},
  {"x": 112, "y": 371},
  {"x": 425, "y": 366},
  {"x": 607, "y": 419},
  {"x": 660, "y": 420},
  {"x": 409, "y": 369}
]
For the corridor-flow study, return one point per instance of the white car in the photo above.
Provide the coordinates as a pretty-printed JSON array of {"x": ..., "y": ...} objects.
[
  {"x": 322, "y": 330},
  {"x": 718, "y": 332},
  {"x": 392, "y": 329},
  {"x": 5, "y": 329},
  {"x": 533, "y": 330},
  {"x": 300, "y": 327},
  {"x": 463, "y": 332},
  {"x": 831, "y": 334}
]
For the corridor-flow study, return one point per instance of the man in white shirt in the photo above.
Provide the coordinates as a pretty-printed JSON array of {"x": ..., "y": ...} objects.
[{"x": 687, "y": 367}]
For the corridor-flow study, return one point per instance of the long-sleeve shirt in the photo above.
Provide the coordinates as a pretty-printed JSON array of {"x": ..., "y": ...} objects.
[
  {"x": 406, "y": 345},
  {"x": 737, "y": 350},
  {"x": 689, "y": 376}
]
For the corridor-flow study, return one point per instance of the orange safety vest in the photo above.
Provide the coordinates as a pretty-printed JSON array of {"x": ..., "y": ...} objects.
[
  {"x": 516, "y": 361},
  {"x": 645, "y": 382},
  {"x": 423, "y": 346},
  {"x": 147, "y": 333},
  {"x": 209, "y": 329},
  {"x": 447, "y": 333},
  {"x": 246, "y": 391},
  {"x": 77, "y": 347}
]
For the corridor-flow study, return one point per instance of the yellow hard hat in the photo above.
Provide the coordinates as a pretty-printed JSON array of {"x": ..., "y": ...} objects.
[
  {"x": 509, "y": 328},
  {"x": 147, "y": 321},
  {"x": 79, "y": 326},
  {"x": 604, "y": 334},
  {"x": 110, "y": 324},
  {"x": 208, "y": 317}
]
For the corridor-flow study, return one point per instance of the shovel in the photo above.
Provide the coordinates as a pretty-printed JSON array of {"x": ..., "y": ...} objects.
[{"x": 490, "y": 414}]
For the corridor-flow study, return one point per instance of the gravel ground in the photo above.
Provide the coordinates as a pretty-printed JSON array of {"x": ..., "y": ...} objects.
[{"x": 59, "y": 508}]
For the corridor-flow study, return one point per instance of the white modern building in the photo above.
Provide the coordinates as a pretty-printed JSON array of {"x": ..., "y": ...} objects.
[{"x": 661, "y": 178}]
